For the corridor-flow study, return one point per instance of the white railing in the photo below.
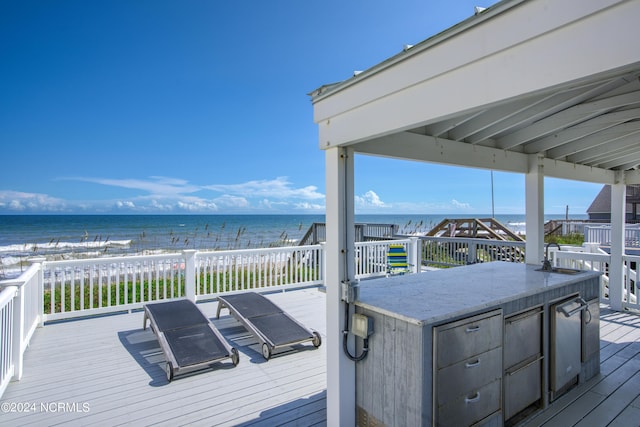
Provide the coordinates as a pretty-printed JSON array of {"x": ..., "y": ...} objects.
[
  {"x": 96, "y": 286},
  {"x": 630, "y": 289},
  {"x": 7, "y": 367},
  {"x": 590, "y": 257},
  {"x": 371, "y": 257},
  {"x": 20, "y": 314},
  {"x": 88, "y": 287},
  {"x": 56, "y": 290},
  {"x": 258, "y": 269},
  {"x": 103, "y": 285},
  {"x": 456, "y": 251},
  {"x": 602, "y": 234}
]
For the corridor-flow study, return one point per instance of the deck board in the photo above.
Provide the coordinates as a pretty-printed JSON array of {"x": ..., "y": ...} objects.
[
  {"x": 116, "y": 367},
  {"x": 612, "y": 398}
]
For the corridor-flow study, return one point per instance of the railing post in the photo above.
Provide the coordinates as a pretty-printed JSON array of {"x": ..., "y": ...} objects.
[
  {"x": 39, "y": 261},
  {"x": 18, "y": 332},
  {"x": 472, "y": 248},
  {"x": 323, "y": 262},
  {"x": 415, "y": 254},
  {"x": 591, "y": 247},
  {"x": 190, "y": 273}
]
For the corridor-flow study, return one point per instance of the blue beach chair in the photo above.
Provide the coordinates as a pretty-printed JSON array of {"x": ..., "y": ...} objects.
[{"x": 397, "y": 260}]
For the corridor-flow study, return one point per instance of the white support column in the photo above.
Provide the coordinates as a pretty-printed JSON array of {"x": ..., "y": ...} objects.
[
  {"x": 534, "y": 196},
  {"x": 341, "y": 386},
  {"x": 618, "y": 212}
]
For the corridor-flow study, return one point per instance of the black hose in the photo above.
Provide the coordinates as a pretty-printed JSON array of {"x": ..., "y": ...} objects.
[{"x": 345, "y": 335}]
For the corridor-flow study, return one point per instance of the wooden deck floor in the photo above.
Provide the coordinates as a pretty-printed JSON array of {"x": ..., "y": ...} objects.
[
  {"x": 113, "y": 372},
  {"x": 117, "y": 370},
  {"x": 613, "y": 397}
]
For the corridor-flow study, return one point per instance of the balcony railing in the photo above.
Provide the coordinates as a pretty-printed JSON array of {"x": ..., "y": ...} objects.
[
  {"x": 601, "y": 233},
  {"x": 20, "y": 314},
  {"x": 456, "y": 251},
  {"x": 54, "y": 290}
]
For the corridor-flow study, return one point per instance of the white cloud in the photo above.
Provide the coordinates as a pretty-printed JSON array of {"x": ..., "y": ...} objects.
[
  {"x": 460, "y": 205},
  {"x": 155, "y": 185},
  {"x": 196, "y": 206},
  {"x": 19, "y": 202},
  {"x": 125, "y": 204},
  {"x": 232, "y": 201},
  {"x": 309, "y": 206},
  {"x": 164, "y": 194},
  {"x": 279, "y": 188},
  {"x": 370, "y": 199}
]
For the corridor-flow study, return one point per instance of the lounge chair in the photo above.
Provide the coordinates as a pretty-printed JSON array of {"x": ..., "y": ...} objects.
[
  {"x": 188, "y": 339},
  {"x": 273, "y": 327}
]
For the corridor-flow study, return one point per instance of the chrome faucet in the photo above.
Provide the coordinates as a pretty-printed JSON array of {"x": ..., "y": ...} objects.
[{"x": 546, "y": 264}]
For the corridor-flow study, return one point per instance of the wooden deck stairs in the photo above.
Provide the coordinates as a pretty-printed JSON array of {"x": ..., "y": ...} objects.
[{"x": 483, "y": 228}]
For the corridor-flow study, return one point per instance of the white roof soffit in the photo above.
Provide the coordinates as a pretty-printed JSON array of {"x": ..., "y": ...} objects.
[{"x": 556, "y": 80}]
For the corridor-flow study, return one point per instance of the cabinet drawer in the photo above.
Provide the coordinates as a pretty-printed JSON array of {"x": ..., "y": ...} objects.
[
  {"x": 463, "y": 378},
  {"x": 522, "y": 337},
  {"x": 468, "y": 409},
  {"x": 522, "y": 387},
  {"x": 464, "y": 339}
]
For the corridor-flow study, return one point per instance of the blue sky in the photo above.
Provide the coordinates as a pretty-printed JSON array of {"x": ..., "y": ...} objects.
[{"x": 132, "y": 106}]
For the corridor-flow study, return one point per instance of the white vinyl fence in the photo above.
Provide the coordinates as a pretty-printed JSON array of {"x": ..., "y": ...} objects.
[
  {"x": 264, "y": 269},
  {"x": 20, "y": 308}
]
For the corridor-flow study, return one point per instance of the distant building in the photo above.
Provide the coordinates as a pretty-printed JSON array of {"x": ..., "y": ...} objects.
[{"x": 600, "y": 209}]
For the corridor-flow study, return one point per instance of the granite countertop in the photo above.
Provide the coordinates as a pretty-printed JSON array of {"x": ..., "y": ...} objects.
[{"x": 438, "y": 295}]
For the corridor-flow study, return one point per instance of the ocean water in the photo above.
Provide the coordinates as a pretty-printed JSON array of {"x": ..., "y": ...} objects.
[{"x": 83, "y": 236}]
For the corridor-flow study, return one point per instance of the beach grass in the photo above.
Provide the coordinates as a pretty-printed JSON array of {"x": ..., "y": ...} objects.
[{"x": 86, "y": 295}]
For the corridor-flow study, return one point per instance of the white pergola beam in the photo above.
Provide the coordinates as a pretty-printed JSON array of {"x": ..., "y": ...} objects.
[
  {"x": 582, "y": 130},
  {"x": 585, "y": 148},
  {"x": 411, "y": 146},
  {"x": 570, "y": 116},
  {"x": 632, "y": 176},
  {"x": 491, "y": 120},
  {"x": 442, "y": 128},
  {"x": 577, "y": 172},
  {"x": 402, "y": 95},
  {"x": 540, "y": 107},
  {"x": 624, "y": 160}
]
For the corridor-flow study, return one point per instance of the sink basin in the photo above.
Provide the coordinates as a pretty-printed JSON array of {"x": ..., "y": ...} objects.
[{"x": 561, "y": 270}]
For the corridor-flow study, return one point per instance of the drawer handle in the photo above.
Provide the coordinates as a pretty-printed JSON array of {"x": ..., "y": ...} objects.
[
  {"x": 473, "y": 364},
  {"x": 525, "y": 366},
  {"x": 473, "y": 398},
  {"x": 473, "y": 328}
]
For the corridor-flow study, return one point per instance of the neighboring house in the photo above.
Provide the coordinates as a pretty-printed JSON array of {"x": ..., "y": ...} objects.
[{"x": 600, "y": 209}]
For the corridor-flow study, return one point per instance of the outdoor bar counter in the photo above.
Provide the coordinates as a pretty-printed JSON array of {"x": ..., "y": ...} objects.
[{"x": 487, "y": 344}]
